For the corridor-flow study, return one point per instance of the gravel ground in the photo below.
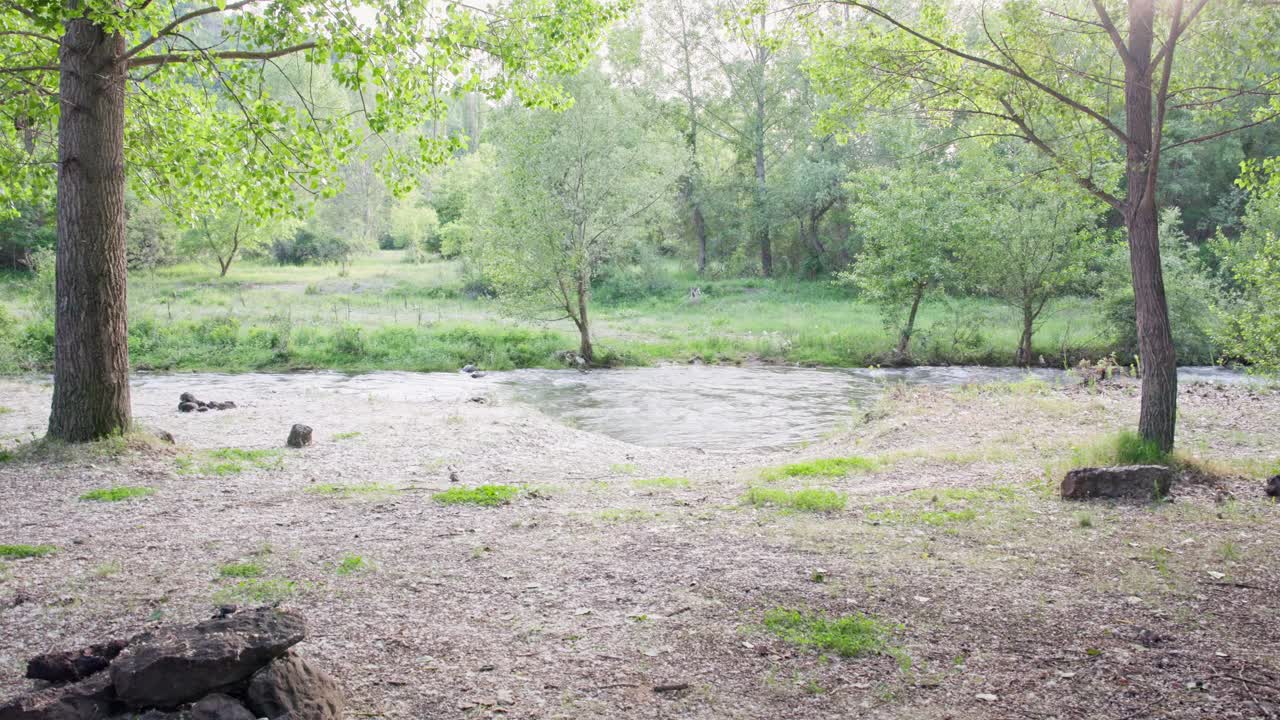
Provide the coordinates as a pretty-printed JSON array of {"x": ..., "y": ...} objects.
[{"x": 594, "y": 587}]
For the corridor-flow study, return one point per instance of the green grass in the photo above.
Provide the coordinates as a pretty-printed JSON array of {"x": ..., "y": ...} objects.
[
  {"x": 359, "y": 489},
  {"x": 823, "y": 467},
  {"x": 25, "y": 551},
  {"x": 258, "y": 590},
  {"x": 5, "y": 410},
  {"x": 347, "y": 435},
  {"x": 855, "y": 635},
  {"x": 817, "y": 500},
  {"x": 350, "y": 564},
  {"x": 1123, "y": 448},
  {"x": 242, "y": 570},
  {"x": 662, "y": 483},
  {"x": 626, "y": 515},
  {"x": 231, "y": 461},
  {"x": 484, "y": 495},
  {"x": 117, "y": 493}
]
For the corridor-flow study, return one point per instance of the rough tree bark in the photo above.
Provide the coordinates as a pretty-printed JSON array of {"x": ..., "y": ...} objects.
[{"x": 91, "y": 355}]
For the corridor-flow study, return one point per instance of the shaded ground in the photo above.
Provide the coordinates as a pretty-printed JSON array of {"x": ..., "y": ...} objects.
[{"x": 598, "y": 583}]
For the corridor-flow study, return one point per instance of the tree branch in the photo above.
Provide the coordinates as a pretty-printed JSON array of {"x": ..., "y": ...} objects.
[
  {"x": 168, "y": 29},
  {"x": 186, "y": 57}
]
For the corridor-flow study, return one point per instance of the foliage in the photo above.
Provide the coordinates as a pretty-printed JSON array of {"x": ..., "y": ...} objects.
[
  {"x": 242, "y": 570},
  {"x": 1250, "y": 328},
  {"x": 1123, "y": 448},
  {"x": 854, "y": 635},
  {"x": 816, "y": 500},
  {"x": 25, "y": 551},
  {"x": 117, "y": 493},
  {"x": 825, "y": 467},
  {"x": 483, "y": 495}
]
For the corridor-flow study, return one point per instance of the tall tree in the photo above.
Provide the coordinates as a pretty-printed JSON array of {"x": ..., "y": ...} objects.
[
  {"x": 192, "y": 77},
  {"x": 1057, "y": 75}
]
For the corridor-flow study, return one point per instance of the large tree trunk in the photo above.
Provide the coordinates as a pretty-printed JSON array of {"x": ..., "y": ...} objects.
[
  {"x": 91, "y": 353},
  {"x": 1158, "y": 415}
]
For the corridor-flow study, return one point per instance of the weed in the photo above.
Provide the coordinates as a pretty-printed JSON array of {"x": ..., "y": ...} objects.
[
  {"x": 1229, "y": 551},
  {"x": 855, "y": 635},
  {"x": 106, "y": 570},
  {"x": 667, "y": 483},
  {"x": 619, "y": 515},
  {"x": 347, "y": 435},
  {"x": 807, "y": 500},
  {"x": 242, "y": 570},
  {"x": 25, "y": 551},
  {"x": 5, "y": 410},
  {"x": 623, "y": 469},
  {"x": 117, "y": 493},
  {"x": 358, "y": 489},
  {"x": 350, "y": 564},
  {"x": 231, "y": 461},
  {"x": 1123, "y": 448},
  {"x": 823, "y": 467},
  {"x": 1084, "y": 520},
  {"x": 484, "y": 495},
  {"x": 258, "y": 590}
]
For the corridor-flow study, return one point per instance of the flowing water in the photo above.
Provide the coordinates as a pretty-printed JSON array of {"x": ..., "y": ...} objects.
[{"x": 712, "y": 407}]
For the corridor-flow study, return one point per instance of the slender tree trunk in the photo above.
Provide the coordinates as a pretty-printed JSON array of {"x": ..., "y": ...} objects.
[
  {"x": 584, "y": 322},
  {"x": 762, "y": 222},
  {"x": 91, "y": 352},
  {"x": 1158, "y": 416},
  {"x": 904, "y": 340},
  {"x": 1028, "y": 329}
]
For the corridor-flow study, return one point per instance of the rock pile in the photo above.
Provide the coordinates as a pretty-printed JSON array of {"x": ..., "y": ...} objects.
[
  {"x": 236, "y": 666},
  {"x": 188, "y": 403}
]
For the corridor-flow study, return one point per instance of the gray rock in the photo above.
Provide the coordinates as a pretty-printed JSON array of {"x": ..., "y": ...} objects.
[
  {"x": 294, "y": 689},
  {"x": 1273, "y": 487},
  {"x": 88, "y": 699},
  {"x": 218, "y": 706},
  {"x": 469, "y": 368},
  {"x": 187, "y": 397},
  {"x": 299, "y": 436},
  {"x": 187, "y": 407},
  {"x": 166, "y": 437},
  {"x": 1144, "y": 482},
  {"x": 176, "y": 665}
]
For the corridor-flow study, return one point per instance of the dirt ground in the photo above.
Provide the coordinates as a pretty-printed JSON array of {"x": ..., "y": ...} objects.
[{"x": 597, "y": 584}]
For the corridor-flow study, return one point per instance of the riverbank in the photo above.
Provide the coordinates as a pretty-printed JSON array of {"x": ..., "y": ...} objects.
[
  {"x": 614, "y": 567},
  {"x": 385, "y": 314}
]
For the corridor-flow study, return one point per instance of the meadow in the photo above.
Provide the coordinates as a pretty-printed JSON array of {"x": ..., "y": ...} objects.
[{"x": 381, "y": 313}]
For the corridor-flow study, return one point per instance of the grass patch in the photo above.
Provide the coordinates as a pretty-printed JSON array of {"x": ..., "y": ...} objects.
[
  {"x": 25, "y": 551},
  {"x": 350, "y": 564},
  {"x": 822, "y": 467},
  {"x": 117, "y": 493},
  {"x": 816, "y": 500},
  {"x": 484, "y": 495},
  {"x": 258, "y": 590},
  {"x": 855, "y": 635},
  {"x": 623, "y": 469},
  {"x": 1123, "y": 448},
  {"x": 242, "y": 570},
  {"x": 664, "y": 483},
  {"x": 231, "y": 461},
  {"x": 359, "y": 489},
  {"x": 347, "y": 435},
  {"x": 621, "y": 515},
  {"x": 5, "y": 410}
]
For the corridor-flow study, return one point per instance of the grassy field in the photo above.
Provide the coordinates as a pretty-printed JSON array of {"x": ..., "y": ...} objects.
[{"x": 387, "y": 314}]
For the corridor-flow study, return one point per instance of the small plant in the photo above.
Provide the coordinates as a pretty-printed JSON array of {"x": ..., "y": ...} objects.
[
  {"x": 231, "y": 461},
  {"x": 807, "y": 500},
  {"x": 242, "y": 570},
  {"x": 666, "y": 483},
  {"x": 1084, "y": 520},
  {"x": 5, "y": 410},
  {"x": 1229, "y": 551},
  {"x": 6, "y": 455},
  {"x": 117, "y": 494},
  {"x": 347, "y": 435},
  {"x": 350, "y": 564},
  {"x": 1124, "y": 448},
  {"x": 623, "y": 469},
  {"x": 620, "y": 515},
  {"x": 855, "y": 635},
  {"x": 823, "y": 467},
  {"x": 484, "y": 495},
  {"x": 106, "y": 570},
  {"x": 25, "y": 551},
  {"x": 258, "y": 590}
]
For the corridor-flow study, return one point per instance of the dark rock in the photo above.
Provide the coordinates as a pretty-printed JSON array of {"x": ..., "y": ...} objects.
[
  {"x": 469, "y": 368},
  {"x": 187, "y": 397},
  {"x": 478, "y": 374},
  {"x": 228, "y": 405},
  {"x": 187, "y": 407},
  {"x": 220, "y": 707},
  {"x": 64, "y": 667},
  {"x": 225, "y": 610},
  {"x": 176, "y": 665},
  {"x": 166, "y": 436},
  {"x": 202, "y": 408},
  {"x": 88, "y": 699},
  {"x": 1273, "y": 487},
  {"x": 299, "y": 436},
  {"x": 202, "y": 403},
  {"x": 1130, "y": 481},
  {"x": 290, "y": 687}
]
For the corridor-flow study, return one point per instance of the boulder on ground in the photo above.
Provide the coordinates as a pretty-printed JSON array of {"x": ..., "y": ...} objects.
[
  {"x": 218, "y": 706},
  {"x": 1144, "y": 482},
  {"x": 64, "y": 667},
  {"x": 1273, "y": 487},
  {"x": 299, "y": 436},
  {"x": 187, "y": 406},
  {"x": 89, "y": 698},
  {"x": 166, "y": 437},
  {"x": 176, "y": 665},
  {"x": 290, "y": 687},
  {"x": 187, "y": 397}
]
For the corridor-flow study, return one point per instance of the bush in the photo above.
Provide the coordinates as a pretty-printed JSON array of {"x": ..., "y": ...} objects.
[{"x": 306, "y": 247}]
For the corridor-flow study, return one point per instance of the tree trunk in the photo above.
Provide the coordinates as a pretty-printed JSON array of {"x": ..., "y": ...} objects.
[
  {"x": 762, "y": 222},
  {"x": 1024, "y": 345},
  {"x": 91, "y": 352},
  {"x": 1158, "y": 416},
  {"x": 904, "y": 339},
  {"x": 583, "y": 321}
]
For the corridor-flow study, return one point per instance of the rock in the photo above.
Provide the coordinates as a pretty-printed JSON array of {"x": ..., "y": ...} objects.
[
  {"x": 469, "y": 368},
  {"x": 187, "y": 397},
  {"x": 64, "y": 667},
  {"x": 1273, "y": 487},
  {"x": 299, "y": 436},
  {"x": 1130, "y": 481},
  {"x": 220, "y": 707},
  {"x": 478, "y": 374},
  {"x": 228, "y": 405},
  {"x": 90, "y": 698},
  {"x": 202, "y": 408},
  {"x": 166, "y": 437},
  {"x": 202, "y": 403},
  {"x": 176, "y": 665},
  {"x": 187, "y": 407},
  {"x": 292, "y": 688}
]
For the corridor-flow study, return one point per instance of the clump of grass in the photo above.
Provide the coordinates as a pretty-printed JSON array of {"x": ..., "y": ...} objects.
[
  {"x": 117, "y": 493},
  {"x": 936, "y": 518},
  {"x": 855, "y": 635},
  {"x": 6, "y": 455},
  {"x": 483, "y": 495},
  {"x": 1123, "y": 448},
  {"x": 106, "y": 570},
  {"x": 666, "y": 483},
  {"x": 232, "y": 461},
  {"x": 258, "y": 590},
  {"x": 350, "y": 564},
  {"x": 623, "y": 469},
  {"x": 338, "y": 490},
  {"x": 620, "y": 515},
  {"x": 25, "y": 551},
  {"x": 823, "y": 467},
  {"x": 806, "y": 500},
  {"x": 5, "y": 410},
  {"x": 347, "y": 435},
  {"x": 1084, "y": 520},
  {"x": 242, "y": 570}
]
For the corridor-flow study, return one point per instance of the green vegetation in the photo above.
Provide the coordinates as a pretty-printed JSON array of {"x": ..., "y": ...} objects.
[
  {"x": 257, "y": 590},
  {"x": 231, "y": 461},
  {"x": 1123, "y": 448},
  {"x": 816, "y": 500},
  {"x": 117, "y": 493},
  {"x": 853, "y": 635},
  {"x": 483, "y": 495},
  {"x": 350, "y": 564},
  {"x": 355, "y": 490},
  {"x": 347, "y": 435},
  {"x": 25, "y": 551},
  {"x": 663, "y": 483},
  {"x": 626, "y": 515},
  {"x": 824, "y": 467},
  {"x": 242, "y": 570}
]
